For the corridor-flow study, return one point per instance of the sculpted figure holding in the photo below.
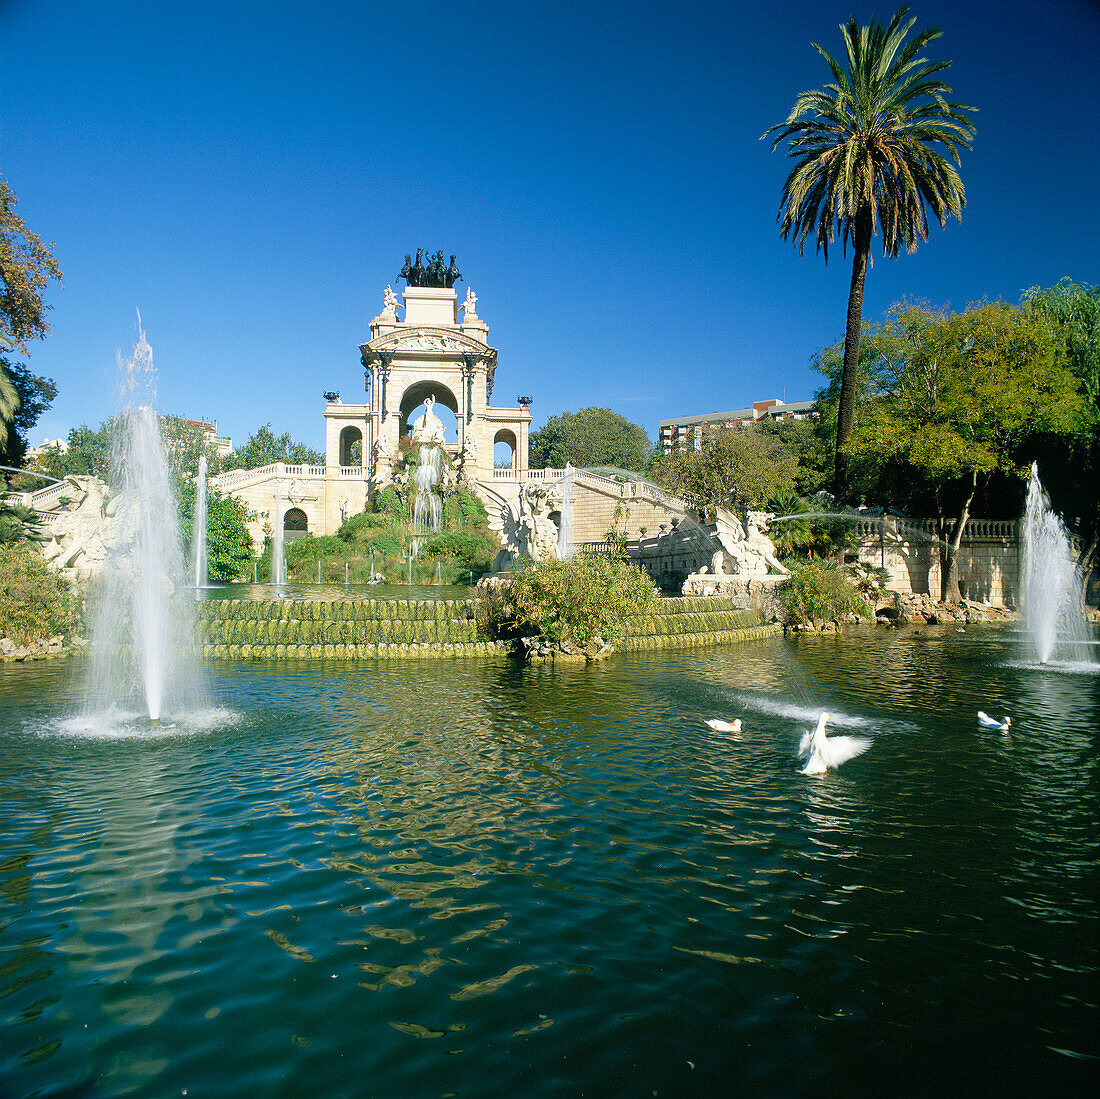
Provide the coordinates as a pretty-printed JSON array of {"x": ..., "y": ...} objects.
[
  {"x": 429, "y": 427},
  {"x": 759, "y": 543},
  {"x": 468, "y": 306},
  {"x": 391, "y": 303}
]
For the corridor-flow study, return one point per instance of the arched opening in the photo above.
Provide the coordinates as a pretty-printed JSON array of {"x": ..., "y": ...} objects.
[
  {"x": 504, "y": 450},
  {"x": 351, "y": 447},
  {"x": 295, "y": 525},
  {"x": 445, "y": 408}
]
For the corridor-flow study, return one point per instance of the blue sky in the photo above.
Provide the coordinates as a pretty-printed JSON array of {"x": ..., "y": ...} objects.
[{"x": 250, "y": 176}]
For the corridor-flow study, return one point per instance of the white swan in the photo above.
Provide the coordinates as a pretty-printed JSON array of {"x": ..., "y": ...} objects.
[
  {"x": 724, "y": 726},
  {"x": 826, "y": 752},
  {"x": 988, "y": 722}
]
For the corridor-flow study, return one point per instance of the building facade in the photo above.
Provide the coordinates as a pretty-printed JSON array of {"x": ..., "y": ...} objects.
[{"x": 686, "y": 432}]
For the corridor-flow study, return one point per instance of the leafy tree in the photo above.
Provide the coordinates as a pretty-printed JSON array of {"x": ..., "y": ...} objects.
[
  {"x": 810, "y": 441},
  {"x": 1074, "y": 313},
  {"x": 183, "y": 445},
  {"x": 229, "y": 546},
  {"x": 88, "y": 455},
  {"x": 264, "y": 448},
  {"x": 952, "y": 398},
  {"x": 589, "y": 437},
  {"x": 734, "y": 469},
  {"x": 867, "y": 150},
  {"x": 34, "y": 395},
  {"x": 26, "y": 266}
]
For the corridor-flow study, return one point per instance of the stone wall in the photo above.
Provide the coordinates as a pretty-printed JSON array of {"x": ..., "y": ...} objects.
[{"x": 989, "y": 558}]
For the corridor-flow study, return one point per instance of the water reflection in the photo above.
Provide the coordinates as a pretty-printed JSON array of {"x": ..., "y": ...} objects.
[{"x": 496, "y": 878}]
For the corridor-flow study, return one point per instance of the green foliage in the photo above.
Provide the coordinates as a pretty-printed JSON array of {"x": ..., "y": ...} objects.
[
  {"x": 89, "y": 454},
  {"x": 734, "y": 469},
  {"x": 387, "y": 544},
  {"x": 389, "y": 503},
  {"x": 264, "y": 448},
  {"x": 821, "y": 590},
  {"x": 34, "y": 603},
  {"x": 229, "y": 546},
  {"x": 589, "y": 437},
  {"x": 790, "y": 535},
  {"x": 585, "y": 597},
  {"x": 356, "y": 528},
  {"x": 34, "y": 395},
  {"x": 19, "y": 524},
  {"x": 810, "y": 441},
  {"x": 183, "y": 444},
  {"x": 27, "y": 267},
  {"x": 475, "y": 551}
]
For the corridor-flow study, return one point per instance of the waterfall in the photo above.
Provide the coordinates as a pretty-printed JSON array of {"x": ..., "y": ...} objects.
[{"x": 427, "y": 504}]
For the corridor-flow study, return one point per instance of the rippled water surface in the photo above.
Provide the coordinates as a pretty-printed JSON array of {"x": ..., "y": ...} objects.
[{"x": 476, "y": 879}]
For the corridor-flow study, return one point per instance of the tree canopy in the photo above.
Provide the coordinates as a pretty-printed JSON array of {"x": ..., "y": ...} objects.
[
  {"x": 953, "y": 398},
  {"x": 589, "y": 437},
  {"x": 738, "y": 469},
  {"x": 34, "y": 395},
  {"x": 26, "y": 267},
  {"x": 264, "y": 448},
  {"x": 874, "y": 150}
]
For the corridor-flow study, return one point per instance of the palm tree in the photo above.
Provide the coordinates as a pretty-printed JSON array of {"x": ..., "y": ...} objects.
[{"x": 868, "y": 160}]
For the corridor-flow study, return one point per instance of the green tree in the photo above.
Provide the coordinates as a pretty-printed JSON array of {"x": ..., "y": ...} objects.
[
  {"x": 868, "y": 160},
  {"x": 589, "y": 437},
  {"x": 229, "y": 546},
  {"x": 734, "y": 469},
  {"x": 33, "y": 395},
  {"x": 264, "y": 448},
  {"x": 26, "y": 267},
  {"x": 88, "y": 455},
  {"x": 183, "y": 445},
  {"x": 953, "y": 398},
  {"x": 1074, "y": 312}
]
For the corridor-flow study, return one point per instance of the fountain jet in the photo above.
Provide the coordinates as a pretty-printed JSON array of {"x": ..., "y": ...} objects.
[
  {"x": 1051, "y": 615},
  {"x": 144, "y": 637}
]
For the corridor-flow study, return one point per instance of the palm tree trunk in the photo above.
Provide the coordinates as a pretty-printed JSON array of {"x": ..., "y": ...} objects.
[{"x": 850, "y": 373}]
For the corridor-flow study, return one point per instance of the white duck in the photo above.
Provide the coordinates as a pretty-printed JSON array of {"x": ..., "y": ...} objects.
[
  {"x": 987, "y": 722},
  {"x": 724, "y": 726},
  {"x": 826, "y": 752}
]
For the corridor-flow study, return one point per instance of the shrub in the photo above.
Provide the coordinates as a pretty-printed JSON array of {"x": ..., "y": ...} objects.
[
  {"x": 582, "y": 598},
  {"x": 388, "y": 503},
  {"x": 34, "y": 603},
  {"x": 821, "y": 590},
  {"x": 355, "y": 527},
  {"x": 469, "y": 548}
]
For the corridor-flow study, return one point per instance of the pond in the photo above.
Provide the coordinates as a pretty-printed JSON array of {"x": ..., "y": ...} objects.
[{"x": 476, "y": 878}]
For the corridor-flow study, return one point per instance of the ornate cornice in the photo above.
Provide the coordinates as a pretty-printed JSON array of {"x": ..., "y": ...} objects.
[{"x": 429, "y": 341}]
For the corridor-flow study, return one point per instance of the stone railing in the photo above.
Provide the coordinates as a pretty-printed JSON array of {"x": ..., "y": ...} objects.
[
  {"x": 48, "y": 498},
  {"x": 924, "y": 530},
  {"x": 238, "y": 478}
]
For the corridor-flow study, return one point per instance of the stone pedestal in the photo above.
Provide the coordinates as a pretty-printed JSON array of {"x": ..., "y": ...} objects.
[{"x": 430, "y": 305}]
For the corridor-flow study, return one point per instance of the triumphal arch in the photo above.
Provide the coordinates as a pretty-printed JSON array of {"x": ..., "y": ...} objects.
[{"x": 429, "y": 353}]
